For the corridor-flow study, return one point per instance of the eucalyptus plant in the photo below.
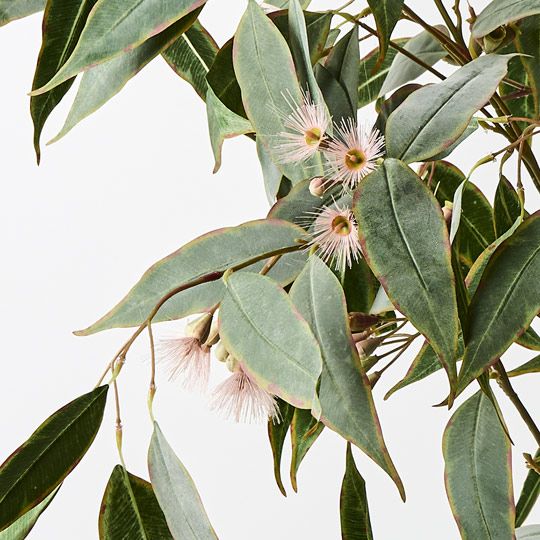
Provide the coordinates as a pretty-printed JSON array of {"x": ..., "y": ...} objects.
[{"x": 374, "y": 241}]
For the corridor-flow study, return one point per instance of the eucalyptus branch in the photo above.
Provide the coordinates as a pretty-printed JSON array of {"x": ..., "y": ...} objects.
[
  {"x": 508, "y": 389},
  {"x": 458, "y": 36}
]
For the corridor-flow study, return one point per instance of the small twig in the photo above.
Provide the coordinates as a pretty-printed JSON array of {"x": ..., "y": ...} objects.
[{"x": 152, "y": 387}]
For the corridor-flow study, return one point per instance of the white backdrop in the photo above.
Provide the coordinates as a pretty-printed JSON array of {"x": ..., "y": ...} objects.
[{"x": 128, "y": 186}]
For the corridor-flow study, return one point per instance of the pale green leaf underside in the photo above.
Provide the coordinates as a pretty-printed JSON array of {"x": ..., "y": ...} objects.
[
  {"x": 501, "y": 12},
  {"x": 11, "y": 10}
]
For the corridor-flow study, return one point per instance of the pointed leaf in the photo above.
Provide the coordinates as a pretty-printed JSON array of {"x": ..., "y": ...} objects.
[
  {"x": 387, "y": 14},
  {"x": 405, "y": 241},
  {"x": 529, "y": 494},
  {"x": 478, "y": 473},
  {"x": 435, "y": 116},
  {"x": 101, "y": 83},
  {"x": 532, "y": 366},
  {"x": 176, "y": 492},
  {"x": 345, "y": 393},
  {"x": 305, "y": 430},
  {"x": 37, "y": 467},
  {"x": 114, "y": 28},
  {"x": 191, "y": 56},
  {"x": 354, "y": 510},
  {"x": 530, "y": 340},
  {"x": 11, "y": 10},
  {"x": 531, "y": 532},
  {"x": 506, "y": 206},
  {"x": 277, "y": 432},
  {"x": 506, "y": 300},
  {"x": 215, "y": 251},
  {"x": 260, "y": 327},
  {"x": 501, "y": 12},
  {"x": 63, "y": 23}
]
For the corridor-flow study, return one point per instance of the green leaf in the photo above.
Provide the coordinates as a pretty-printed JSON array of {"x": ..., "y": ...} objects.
[
  {"x": 506, "y": 300},
  {"x": 345, "y": 393},
  {"x": 37, "y": 467},
  {"x": 478, "y": 478},
  {"x": 63, "y": 23},
  {"x": 277, "y": 432},
  {"x": 21, "y": 528},
  {"x": 469, "y": 130},
  {"x": 265, "y": 70},
  {"x": 530, "y": 340},
  {"x": 223, "y": 124},
  {"x": 531, "y": 532},
  {"x": 405, "y": 242},
  {"x": 476, "y": 230},
  {"x": 101, "y": 83},
  {"x": 176, "y": 492},
  {"x": 334, "y": 94},
  {"x": 271, "y": 174},
  {"x": 129, "y": 509},
  {"x": 532, "y": 366},
  {"x": 305, "y": 430},
  {"x": 506, "y": 206},
  {"x": 371, "y": 77},
  {"x": 114, "y": 28},
  {"x": 283, "y": 4},
  {"x": 260, "y": 327},
  {"x": 354, "y": 510},
  {"x": 387, "y": 14},
  {"x": 387, "y": 106},
  {"x": 529, "y": 495},
  {"x": 527, "y": 43},
  {"x": 501, "y": 12},
  {"x": 435, "y": 116},
  {"x": 403, "y": 70},
  {"x": 215, "y": 251},
  {"x": 222, "y": 78},
  {"x": 360, "y": 287},
  {"x": 11, "y": 10},
  {"x": 191, "y": 56}
]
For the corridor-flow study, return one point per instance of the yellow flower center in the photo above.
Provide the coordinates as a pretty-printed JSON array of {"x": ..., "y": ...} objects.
[
  {"x": 355, "y": 159},
  {"x": 341, "y": 225},
  {"x": 313, "y": 136}
]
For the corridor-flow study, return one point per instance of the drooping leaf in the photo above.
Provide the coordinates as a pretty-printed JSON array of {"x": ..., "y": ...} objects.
[
  {"x": 387, "y": 14},
  {"x": 305, "y": 430},
  {"x": 405, "y": 242},
  {"x": 531, "y": 532},
  {"x": 176, "y": 492},
  {"x": 37, "y": 467},
  {"x": 101, "y": 83},
  {"x": 506, "y": 206},
  {"x": 506, "y": 300},
  {"x": 265, "y": 71},
  {"x": 130, "y": 510},
  {"x": 260, "y": 327},
  {"x": 372, "y": 79},
  {"x": 272, "y": 176},
  {"x": 532, "y": 366},
  {"x": 222, "y": 124},
  {"x": 478, "y": 477},
  {"x": 63, "y": 23},
  {"x": 191, "y": 56},
  {"x": 215, "y": 251},
  {"x": 345, "y": 393},
  {"x": 529, "y": 495},
  {"x": 277, "y": 432},
  {"x": 114, "y": 28},
  {"x": 403, "y": 70},
  {"x": 334, "y": 94},
  {"x": 501, "y": 12},
  {"x": 435, "y": 116},
  {"x": 11, "y": 10},
  {"x": 354, "y": 510},
  {"x": 22, "y": 527}
]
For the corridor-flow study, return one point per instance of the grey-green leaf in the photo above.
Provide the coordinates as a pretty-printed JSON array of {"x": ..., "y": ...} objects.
[
  {"x": 431, "y": 119},
  {"x": 387, "y": 14},
  {"x": 22, "y": 527},
  {"x": 354, "y": 509},
  {"x": 529, "y": 494},
  {"x": 403, "y": 70},
  {"x": 506, "y": 300},
  {"x": 531, "y": 366},
  {"x": 531, "y": 532},
  {"x": 11, "y": 10},
  {"x": 130, "y": 510},
  {"x": 215, "y": 251},
  {"x": 478, "y": 477},
  {"x": 114, "y": 28},
  {"x": 176, "y": 492},
  {"x": 277, "y": 432},
  {"x": 37, "y": 467},
  {"x": 260, "y": 327},
  {"x": 501, "y": 12},
  {"x": 405, "y": 241},
  {"x": 345, "y": 393},
  {"x": 101, "y": 83}
]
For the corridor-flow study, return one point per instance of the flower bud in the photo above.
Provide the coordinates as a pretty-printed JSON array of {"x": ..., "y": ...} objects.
[
  {"x": 362, "y": 321},
  {"x": 447, "y": 213},
  {"x": 232, "y": 364},
  {"x": 200, "y": 328},
  {"x": 221, "y": 352},
  {"x": 366, "y": 347},
  {"x": 316, "y": 187}
]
